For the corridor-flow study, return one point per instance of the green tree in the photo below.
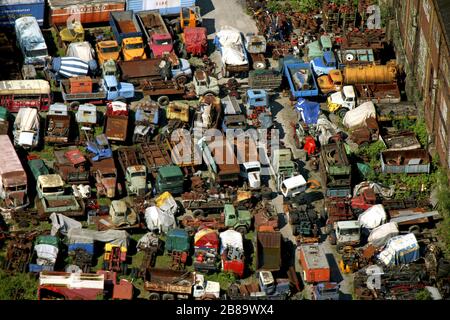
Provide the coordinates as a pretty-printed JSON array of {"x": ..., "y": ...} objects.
[{"x": 21, "y": 286}]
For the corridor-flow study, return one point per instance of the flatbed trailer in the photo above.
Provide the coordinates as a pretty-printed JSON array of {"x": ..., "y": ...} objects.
[{"x": 155, "y": 154}]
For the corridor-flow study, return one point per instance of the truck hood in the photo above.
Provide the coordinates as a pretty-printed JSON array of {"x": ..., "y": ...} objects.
[
  {"x": 110, "y": 186},
  {"x": 126, "y": 90},
  {"x": 139, "y": 182},
  {"x": 336, "y": 98},
  {"x": 159, "y": 50},
  {"x": 254, "y": 179}
]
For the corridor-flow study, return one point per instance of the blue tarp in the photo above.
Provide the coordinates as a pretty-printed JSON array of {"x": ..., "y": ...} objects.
[{"x": 309, "y": 110}]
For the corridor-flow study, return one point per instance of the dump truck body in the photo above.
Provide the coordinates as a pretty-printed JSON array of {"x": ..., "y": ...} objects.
[
  {"x": 158, "y": 37},
  {"x": 116, "y": 122},
  {"x": 406, "y": 161},
  {"x": 314, "y": 263},
  {"x": 302, "y": 82},
  {"x": 268, "y": 251},
  {"x": 127, "y": 33}
]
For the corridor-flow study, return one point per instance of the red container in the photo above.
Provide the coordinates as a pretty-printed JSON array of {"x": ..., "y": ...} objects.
[
  {"x": 90, "y": 11},
  {"x": 314, "y": 263}
]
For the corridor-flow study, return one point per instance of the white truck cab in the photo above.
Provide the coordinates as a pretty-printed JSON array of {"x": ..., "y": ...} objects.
[
  {"x": 342, "y": 101},
  {"x": 348, "y": 233},
  {"x": 252, "y": 172},
  {"x": 293, "y": 186},
  {"x": 50, "y": 185},
  {"x": 205, "y": 289}
]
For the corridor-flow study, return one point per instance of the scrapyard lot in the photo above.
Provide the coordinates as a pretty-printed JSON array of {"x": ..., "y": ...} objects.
[{"x": 91, "y": 193}]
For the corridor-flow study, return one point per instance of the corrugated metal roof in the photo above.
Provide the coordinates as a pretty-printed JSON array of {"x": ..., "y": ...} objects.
[
  {"x": 10, "y": 160},
  {"x": 24, "y": 87},
  {"x": 270, "y": 239},
  {"x": 443, "y": 8}
]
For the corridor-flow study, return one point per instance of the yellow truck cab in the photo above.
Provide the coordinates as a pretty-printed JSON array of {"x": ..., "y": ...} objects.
[
  {"x": 107, "y": 50},
  {"x": 133, "y": 49}
]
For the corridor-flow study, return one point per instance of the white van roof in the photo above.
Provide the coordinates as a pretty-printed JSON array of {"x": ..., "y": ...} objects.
[{"x": 294, "y": 182}]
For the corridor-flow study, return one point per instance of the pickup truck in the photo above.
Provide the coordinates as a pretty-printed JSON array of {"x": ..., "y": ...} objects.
[
  {"x": 230, "y": 43},
  {"x": 57, "y": 124},
  {"x": 95, "y": 92},
  {"x": 71, "y": 165}
]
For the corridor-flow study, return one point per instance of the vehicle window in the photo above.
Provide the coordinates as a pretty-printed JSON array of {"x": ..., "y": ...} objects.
[
  {"x": 134, "y": 46},
  {"x": 163, "y": 42},
  {"x": 109, "y": 175},
  {"x": 138, "y": 174},
  {"x": 110, "y": 50},
  {"x": 52, "y": 189}
]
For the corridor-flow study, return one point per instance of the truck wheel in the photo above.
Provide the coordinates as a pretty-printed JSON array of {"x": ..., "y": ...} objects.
[
  {"x": 242, "y": 230},
  {"x": 198, "y": 212},
  {"x": 339, "y": 248},
  {"x": 342, "y": 112},
  {"x": 414, "y": 229},
  {"x": 209, "y": 94},
  {"x": 121, "y": 99},
  {"x": 154, "y": 296},
  {"x": 163, "y": 100},
  {"x": 181, "y": 80},
  {"x": 74, "y": 105},
  {"x": 168, "y": 296}
]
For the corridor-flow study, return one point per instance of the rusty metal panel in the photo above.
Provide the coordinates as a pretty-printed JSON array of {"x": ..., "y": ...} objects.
[{"x": 11, "y": 169}]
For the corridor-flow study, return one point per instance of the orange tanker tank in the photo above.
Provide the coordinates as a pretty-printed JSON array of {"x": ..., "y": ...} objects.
[{"x": 371, "y": 74}]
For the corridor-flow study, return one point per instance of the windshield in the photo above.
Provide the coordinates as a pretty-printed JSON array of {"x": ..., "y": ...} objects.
[
  {"x": 172, "y": 179},
  {"x": 138, "y": 174},
  {"x": 16, "y": 188},
  {"x": 37, "y": 53},
  {"x": 163, "y": 42},
  {"x": 52, "y": 189},
  {"x": 134, "y": 46},
  {"x": 349, "y": 232},
  {"x": 110, "y": 49},
  {"x": 109, "y": 175}
]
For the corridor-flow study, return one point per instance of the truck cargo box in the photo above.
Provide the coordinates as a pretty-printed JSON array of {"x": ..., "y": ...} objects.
[
  {"x": 268, "y": 251},
  {"x": 314, "y": 263}
]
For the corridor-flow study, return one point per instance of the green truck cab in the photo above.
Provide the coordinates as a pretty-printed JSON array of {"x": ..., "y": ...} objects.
[
  {"x": 239, "y": 220},
  {"x": 170, "y": 178}
]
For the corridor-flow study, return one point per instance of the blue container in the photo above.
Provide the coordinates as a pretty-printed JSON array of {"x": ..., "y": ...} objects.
[
  {"x": 37, "y": 268},
  {"x": 21, "y": 8},
  {"x": 89, "y": 247},
  {"x": 173, "y": 6}
]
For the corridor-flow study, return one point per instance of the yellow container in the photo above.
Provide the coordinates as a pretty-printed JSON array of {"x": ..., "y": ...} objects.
[{"x": 370, "y": 74}]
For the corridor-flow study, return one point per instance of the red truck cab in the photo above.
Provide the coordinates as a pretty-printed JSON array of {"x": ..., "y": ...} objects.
[{"x": 160, "y": 44}]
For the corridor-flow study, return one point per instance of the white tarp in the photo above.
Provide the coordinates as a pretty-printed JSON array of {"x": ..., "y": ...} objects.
[
  {"x": 400, "y": 250},
  {"x": 357, "y": 117},
  {"x": 46, "y": 254},
  {"x": 148, "y": 240},
  {"x": 63, "y": 224},
  {"x": 156, "y": 219},
  {"x": 373, "y": 217},
  {"x": 380, "y": 235},
  {"x": 117, "y": 237},
  {"x": 326, "y": 129},
  {"x": 231, "y": 238},
  {"x": 232, "y": 46}
]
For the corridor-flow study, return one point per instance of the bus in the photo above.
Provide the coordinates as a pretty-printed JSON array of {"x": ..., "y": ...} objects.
[{"x": 16, "y": 94}]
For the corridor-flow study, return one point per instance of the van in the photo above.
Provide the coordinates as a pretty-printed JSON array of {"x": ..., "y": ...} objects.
[
  {"x": 293, "y": 186},
  {"x": 31, "y": 41}
]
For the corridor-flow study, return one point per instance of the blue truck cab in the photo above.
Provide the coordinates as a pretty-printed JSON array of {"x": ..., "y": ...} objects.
[
  {"x": 256, "y": 99},
  {"x": 117, "y": 89},
  {"x": 274, "y": 289},
  {"x": 100, "y": 148},
  {"x": 324, "y": 65}
]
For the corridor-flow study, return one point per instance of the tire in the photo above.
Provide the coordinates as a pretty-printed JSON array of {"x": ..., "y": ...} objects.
[
  {"x": 121, "y": 99},
  {"x": 259, "y": 65},
  {"x": 181, "y": 80},
  {"x": 154, "y": 296},
  {"x": 198, "y": 212},
  {"x": 342, "y": 112},
  {"x": 74, "y": 105},
  {"x": 163, "y": 101},
  {"x": 209, "y": 94},
  {"x": 414, "y": 229},
  {"x": 339, "y": 248},
  {"x": 168, "y": 296},
  {"x": 242, "y": 230}
]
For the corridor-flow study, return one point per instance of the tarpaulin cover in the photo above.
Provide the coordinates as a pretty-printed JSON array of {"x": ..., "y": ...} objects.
[
  {"x": 166, "y": 203},
  {"x": 178, "y": 240},
  {"x": 373, "y": 217},
  {"x": 309, "y": 110},
  {"x": 117, "y": 237},
  {"x": 380, "y": 235},
  {"x": 46, "y": 254},
  {"x": 229, "y": 40},
  {"x": 63, "y": 224},
  {"x": 156, "y": 219},
  {"x": 357, "y": 117},
  {"x": 400, "y": 250},
  {"x": 326, "y": 129},
  {"x": 231, "y": 238},
  {"x": 206, "y": 238},
  {"x": 147, "y": 241}
]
